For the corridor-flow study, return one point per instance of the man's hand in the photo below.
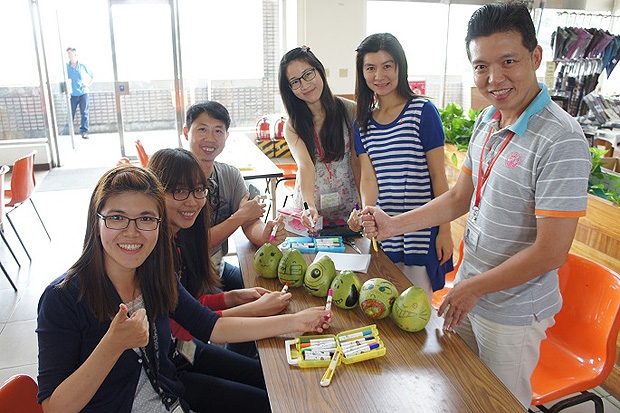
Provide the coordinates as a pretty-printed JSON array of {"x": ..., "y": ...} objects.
[
  {"x": 377, "y": 224},
  {"x": 457, "y": 304},
  {"x": 250, "y": 209},
  {"x": 280, "y": 234}
]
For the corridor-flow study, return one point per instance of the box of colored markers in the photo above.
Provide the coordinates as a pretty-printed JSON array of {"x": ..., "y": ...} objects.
[
  {"x": 310, "y": 245},
  {"x": 355, "y": 345}
]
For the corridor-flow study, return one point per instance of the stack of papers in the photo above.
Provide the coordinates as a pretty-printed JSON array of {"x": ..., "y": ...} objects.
[{"x": 343, "y": 261}]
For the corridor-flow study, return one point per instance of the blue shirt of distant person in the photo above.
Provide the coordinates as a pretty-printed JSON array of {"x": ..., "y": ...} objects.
[{"x": 81, "y": 78}]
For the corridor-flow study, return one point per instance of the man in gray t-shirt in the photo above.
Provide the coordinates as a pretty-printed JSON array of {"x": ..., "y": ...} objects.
[{"x": 206, "y": 129}]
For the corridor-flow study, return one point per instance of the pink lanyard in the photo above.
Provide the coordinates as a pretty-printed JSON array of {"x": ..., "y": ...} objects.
[
  {"x": 482, "y": 177},
  {"x": 318, "y": 147}
]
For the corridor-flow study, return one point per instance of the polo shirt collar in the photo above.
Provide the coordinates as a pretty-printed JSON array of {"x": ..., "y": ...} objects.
[{"x": 520, "y": 126}]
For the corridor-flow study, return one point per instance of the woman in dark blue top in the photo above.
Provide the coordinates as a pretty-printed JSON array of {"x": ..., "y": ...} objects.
[{"x": 104, "y": 327}]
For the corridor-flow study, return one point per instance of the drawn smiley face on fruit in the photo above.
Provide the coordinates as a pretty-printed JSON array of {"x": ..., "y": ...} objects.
[
  {"x": 266, "y": 260},
  {"x": 377, "y": 297}
]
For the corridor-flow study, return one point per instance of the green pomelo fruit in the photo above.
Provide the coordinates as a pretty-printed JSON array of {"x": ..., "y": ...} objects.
[
  {"x": 346, "y": 287},
  {"x": 377, "y": 297},
  {"x": 266, "y": 260},
  {"x": 319, "y": 276},
  {"x": 292, "y": 268},
  {"x": 411, "y": 310}
]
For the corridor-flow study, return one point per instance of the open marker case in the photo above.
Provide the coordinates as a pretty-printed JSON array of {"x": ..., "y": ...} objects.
[
  {"x": 309, "y": 245},
  {"x": 294, "y": 353}
]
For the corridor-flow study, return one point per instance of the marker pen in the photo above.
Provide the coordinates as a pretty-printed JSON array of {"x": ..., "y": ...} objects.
[
  {"x": 320, "y": 348},
  {"x": 308, "y": 213},
  {"x": 272, "y": 237},
  {"x": 353, "y": 343},
  {"x": 310, "y": 356},
  {"x": 359, "y": 214},
  {"x": 364, "y": 346},
  {"x": 361, "y": 350},
  {"x": 318, "y": 340},
  {"x": 355, "y": 335},
  {"x": 328, "y": 304},
  {"x": 285, "y": 288},
  {"x": 329, "y": 373},
  {"x": 317, "y": 345}
]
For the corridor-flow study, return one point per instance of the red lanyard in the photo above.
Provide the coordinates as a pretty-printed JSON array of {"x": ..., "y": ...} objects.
[
  {"x": 318, "y": 147},
  {"x": 482, "y": 177}
]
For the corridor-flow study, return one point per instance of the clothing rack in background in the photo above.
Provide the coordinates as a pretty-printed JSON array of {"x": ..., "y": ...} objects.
[{"x": 581, "y": 54}]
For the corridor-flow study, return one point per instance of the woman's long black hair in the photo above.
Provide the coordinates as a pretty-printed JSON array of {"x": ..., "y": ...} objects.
[{"x": 331, "y": 136}]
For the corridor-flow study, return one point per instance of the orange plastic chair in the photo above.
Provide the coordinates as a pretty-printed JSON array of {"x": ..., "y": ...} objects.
[
  {"x": 22, "y": 186},
  {"x": 144, "y": 158},
  {"x": 289, "y": 176},
  {"x": 580, "y": 349},
  {"x": 19, "y": 395},
  {"x": 3, "y": 170},
  {"x": 439, "y": 295}
]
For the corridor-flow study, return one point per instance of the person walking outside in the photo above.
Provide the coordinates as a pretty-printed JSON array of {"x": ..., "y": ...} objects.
[{"x": 81, "y": 78}]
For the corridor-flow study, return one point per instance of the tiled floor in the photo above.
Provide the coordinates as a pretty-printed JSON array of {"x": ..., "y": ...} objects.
[{"x": 64, "y": 214}]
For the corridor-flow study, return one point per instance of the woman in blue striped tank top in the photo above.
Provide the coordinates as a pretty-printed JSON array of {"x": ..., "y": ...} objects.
[{"x": 399, "y": 140}]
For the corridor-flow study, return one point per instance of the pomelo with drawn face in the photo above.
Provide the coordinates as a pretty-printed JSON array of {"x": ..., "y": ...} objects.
[
  {"x": 377, "y": 297},
  {"x": 319, "y": 276},
  {"x": 266, "y": 260},
  {"x": 292, "y": 268},
  {"x": 346, "y": 287},
  {"x": 411, "y": 310}
]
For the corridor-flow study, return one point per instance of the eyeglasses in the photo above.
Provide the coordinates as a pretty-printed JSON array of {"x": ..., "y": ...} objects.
[
  {"x": 307, "y": 75},
  {"x": 119, "y": 222},
  {"x": 183, "y": 194}
]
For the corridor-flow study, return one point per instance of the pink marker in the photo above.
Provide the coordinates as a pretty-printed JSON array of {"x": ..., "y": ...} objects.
[
  {"x": 328, "y": 304},
  {"x": 273, "y": 233},
  {"x": 285, "y": 288}
]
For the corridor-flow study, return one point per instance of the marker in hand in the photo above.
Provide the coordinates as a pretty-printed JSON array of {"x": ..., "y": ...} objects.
[
  {"x": 285, "y": 288},
  {"x": 328, "y": 304},
  {"x": 308, "y": 214},
  {"x": 272, "y": 237},
  {"x": 374, "y": 240}
]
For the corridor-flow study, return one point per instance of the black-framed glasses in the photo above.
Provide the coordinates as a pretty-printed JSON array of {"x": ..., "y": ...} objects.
[
  {"x": 120, "y": 222},
  {"x": 181, "y": 194},
  {"x": 307, "y": 75}
]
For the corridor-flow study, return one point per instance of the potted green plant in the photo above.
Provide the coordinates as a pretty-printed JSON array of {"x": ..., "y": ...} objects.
[
  {"x": 457, "y": 126},
  {"x": 602, "y": 183}
]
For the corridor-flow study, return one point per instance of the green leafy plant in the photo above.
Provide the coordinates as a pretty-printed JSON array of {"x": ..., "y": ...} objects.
[
  {"x": 597, "y": 154},
  {"x": 457, "y": 125},
  {"x": 596, "y": 171}
]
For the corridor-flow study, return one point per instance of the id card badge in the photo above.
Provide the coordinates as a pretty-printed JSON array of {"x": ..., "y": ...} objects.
[
  {"x": 472, "y": 233},
  {"x": 331, "y": 200},
  {"x": 187, "y": 349}
]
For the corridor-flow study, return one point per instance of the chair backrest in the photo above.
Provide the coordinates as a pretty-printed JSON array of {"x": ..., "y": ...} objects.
[
  {"x": 289, "y": 170},
  {"x": 22, "y": 179},
  {"x": 19, "y": 395},
  {"x": 3, "y": 170},
  {"x": 588, "y": 323},
  {"x": 144, "y": 158},
  {"x": 452, "y": 274}
]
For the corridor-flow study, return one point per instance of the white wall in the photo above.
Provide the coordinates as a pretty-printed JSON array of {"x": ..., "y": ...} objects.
[{"x": 332, "y": 29}]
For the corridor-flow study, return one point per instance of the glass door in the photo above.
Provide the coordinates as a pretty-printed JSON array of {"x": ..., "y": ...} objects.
[{"x": 146, "y": 65}]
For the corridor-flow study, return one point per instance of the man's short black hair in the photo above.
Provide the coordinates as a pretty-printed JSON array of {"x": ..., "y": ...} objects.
[
  {"x": 500, "y": 18},
  {"x": 214, "y": 109}
]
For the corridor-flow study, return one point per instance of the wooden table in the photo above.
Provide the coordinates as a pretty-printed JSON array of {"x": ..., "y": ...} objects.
[
  {"x": 241, "y": 152},
  {"x": 428, "y": 371}
]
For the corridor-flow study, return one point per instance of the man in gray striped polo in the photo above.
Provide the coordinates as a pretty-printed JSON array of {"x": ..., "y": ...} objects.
[{"x": 524, "y": 184}]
